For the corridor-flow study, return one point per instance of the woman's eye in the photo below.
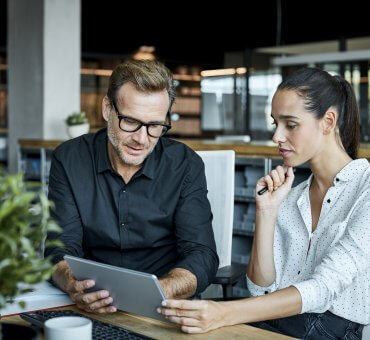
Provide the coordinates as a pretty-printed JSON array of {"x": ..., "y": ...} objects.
[{"x": 291, "y": 126}]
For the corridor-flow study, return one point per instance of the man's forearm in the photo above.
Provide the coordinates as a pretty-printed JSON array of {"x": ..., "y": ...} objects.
[{"x": 179, "y": 283}]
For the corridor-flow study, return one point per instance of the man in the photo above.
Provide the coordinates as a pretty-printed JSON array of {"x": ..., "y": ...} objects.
[{"x": 126, "y": 197}]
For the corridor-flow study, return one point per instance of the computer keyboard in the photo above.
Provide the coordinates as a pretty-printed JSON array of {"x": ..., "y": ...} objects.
[{"x": 100, "y": 331}]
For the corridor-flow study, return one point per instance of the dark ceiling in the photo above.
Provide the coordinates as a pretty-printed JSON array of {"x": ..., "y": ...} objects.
[{"x": 188, "y": 33}]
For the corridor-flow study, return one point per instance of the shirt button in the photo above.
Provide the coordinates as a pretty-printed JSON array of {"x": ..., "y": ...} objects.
[
  {"x": 328, "y": 200},
  {"x": 266, "y": 291},
  {"x": 123, "y": 191},
  {"x": 337, "y": 179},
  {"x": 122, "y": 224},
  {"x": 299, "y": 272}
]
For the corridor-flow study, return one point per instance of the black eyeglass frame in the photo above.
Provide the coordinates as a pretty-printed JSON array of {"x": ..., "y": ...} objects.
[{"x": 165, "y": 127}]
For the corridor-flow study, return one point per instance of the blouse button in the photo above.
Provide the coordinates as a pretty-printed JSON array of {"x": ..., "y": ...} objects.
[{"x": 328, "y": 200}]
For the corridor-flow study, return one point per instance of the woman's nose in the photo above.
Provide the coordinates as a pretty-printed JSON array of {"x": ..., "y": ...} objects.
[{"x": 279, "y": 136}]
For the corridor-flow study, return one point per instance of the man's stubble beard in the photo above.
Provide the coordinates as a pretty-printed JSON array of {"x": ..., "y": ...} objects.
[{"x": 126, "y": 159}]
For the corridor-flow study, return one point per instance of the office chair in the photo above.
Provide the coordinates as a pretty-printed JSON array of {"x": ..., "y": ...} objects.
[
  {"x": 366, "y": 333},
  {"x": 220, "y": 173}
]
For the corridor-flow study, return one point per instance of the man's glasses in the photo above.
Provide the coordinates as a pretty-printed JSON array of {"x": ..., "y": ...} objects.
[{"x": 129, "y": 124}]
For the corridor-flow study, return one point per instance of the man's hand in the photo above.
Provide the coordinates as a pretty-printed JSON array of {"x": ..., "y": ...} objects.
[{"x": 94, "y": 302}]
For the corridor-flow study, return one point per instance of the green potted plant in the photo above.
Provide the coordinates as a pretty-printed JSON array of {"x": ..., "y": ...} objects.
[
  {"x": 24, "y": 222},
  {"x": 77, "y": 124}
]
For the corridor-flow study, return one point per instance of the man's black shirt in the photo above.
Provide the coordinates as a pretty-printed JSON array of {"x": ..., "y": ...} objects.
[{"x": 158, "y": 221}]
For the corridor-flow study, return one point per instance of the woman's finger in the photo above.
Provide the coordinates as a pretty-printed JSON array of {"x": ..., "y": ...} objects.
[
  {"x": 188, "y": 325},
  {"x": 178, "y": 312},
  {"x": 290, "y": 176},
  {"x": 184, "y": 321},
  {"x": 191, "y": 330},
  {"x": 269, "y": 183},
  {"x": 276, "y": 178},
  {"x": 183, "y": 304},
  {"x": 281, "y": 171}
]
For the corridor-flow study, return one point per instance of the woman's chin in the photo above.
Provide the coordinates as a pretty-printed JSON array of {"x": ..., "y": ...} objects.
[{"x": 292, "y": 162}]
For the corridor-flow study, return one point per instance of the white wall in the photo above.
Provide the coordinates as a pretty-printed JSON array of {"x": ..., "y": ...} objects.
[{"x": 43, "y": 69}]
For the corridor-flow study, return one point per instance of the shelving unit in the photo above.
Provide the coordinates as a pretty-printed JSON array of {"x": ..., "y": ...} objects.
[
  {"x": 94, "y": 83},
  {"x": 35, "y": 163},
  {"x": 187, "y": 105}
]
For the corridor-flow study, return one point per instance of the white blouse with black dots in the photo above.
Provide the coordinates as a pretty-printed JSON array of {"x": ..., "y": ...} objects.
[{"x": 330, "y": 267}]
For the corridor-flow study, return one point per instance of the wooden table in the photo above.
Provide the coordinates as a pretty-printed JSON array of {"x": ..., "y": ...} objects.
[{"x": 163, "y": 330}]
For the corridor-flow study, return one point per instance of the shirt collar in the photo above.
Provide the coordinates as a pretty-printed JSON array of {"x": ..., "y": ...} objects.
[
  {"x": 101, "y": 150},
  {"x": 103, "y": 163},
  {"x": 150, "y": 163},
  {"x": 351, "y": 170}
]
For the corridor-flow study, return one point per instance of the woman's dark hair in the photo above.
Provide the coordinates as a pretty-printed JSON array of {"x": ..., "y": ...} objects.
[{"x": 320, "y": 91}]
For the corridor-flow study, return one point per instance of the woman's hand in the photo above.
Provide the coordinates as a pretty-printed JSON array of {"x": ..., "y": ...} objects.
[
  {"x": 278, "y": 183},
  {"x": 196, "y": 316}
]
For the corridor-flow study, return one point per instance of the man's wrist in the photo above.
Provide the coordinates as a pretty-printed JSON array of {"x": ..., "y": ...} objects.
[
  {"x": 62, "y": 276},
  {"x": 179, "y": 283}
]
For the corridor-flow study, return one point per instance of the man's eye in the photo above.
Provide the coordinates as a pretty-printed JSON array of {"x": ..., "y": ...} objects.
[{"x": 130, "y": 121}]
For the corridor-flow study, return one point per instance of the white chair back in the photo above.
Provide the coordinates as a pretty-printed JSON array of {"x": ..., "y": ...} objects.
[
  {"x": 366, "y": 333},
  {"x": 220, "y": 173}
]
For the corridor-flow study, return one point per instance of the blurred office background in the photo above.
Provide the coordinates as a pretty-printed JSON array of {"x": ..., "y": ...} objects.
[{"x": 227, "y": 59}]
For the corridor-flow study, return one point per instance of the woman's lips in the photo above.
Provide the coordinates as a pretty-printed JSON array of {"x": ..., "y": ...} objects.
[{"x": 284, "y": 152}]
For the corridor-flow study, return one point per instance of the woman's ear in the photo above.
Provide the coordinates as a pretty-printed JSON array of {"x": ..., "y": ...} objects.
[
  {"x": 329, "y": 121},
  {"x": 106, "y": 108}
]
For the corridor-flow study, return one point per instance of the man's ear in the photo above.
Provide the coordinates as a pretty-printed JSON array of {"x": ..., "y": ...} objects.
[
  {"x": 106, "y": 108},
  {"x": 329, "y": 121}
]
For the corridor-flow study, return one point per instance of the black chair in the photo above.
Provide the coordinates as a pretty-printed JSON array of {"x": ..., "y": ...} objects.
[{"x": 228, "y": 276}]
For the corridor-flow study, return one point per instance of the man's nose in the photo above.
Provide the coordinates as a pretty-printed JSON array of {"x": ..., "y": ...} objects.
[{"x": 140, "y": 136}]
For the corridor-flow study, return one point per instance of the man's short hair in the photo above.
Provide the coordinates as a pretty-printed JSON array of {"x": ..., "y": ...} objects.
[{"x": 146, "y": 75}]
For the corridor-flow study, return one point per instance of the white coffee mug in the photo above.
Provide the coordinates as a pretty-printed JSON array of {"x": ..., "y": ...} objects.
[{"x": 68, "y": 327}]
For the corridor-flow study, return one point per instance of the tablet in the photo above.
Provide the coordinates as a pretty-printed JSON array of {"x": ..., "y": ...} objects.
[{"x": 132, "y": 291}]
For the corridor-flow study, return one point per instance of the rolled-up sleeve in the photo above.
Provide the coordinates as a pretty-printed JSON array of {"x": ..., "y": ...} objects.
[
  {"x": 257, "y": 290},
  {"x": 65, "y": 212},
  {"x": 349, "y": 258},
  {"x": 193, "y": 222}
]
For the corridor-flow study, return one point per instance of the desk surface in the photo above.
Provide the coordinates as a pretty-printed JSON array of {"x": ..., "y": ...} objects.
[{"x": 162, "y": 330}]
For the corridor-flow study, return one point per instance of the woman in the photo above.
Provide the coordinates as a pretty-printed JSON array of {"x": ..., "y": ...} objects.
[{"x": 309, "y": 270}]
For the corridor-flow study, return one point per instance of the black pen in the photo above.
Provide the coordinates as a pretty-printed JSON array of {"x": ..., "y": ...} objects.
[{"x": 262, "y": 191}]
